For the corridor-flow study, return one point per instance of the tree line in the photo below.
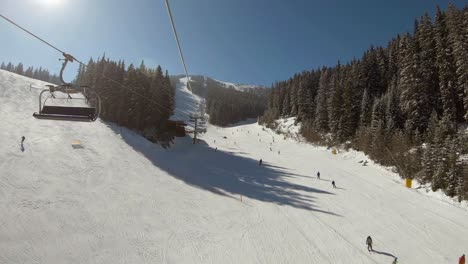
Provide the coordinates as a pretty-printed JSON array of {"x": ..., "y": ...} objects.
[
  {"x": 404, "y": 105},
  {"x": 39, "y": 74},
  {"x": 138, "y": 98}
]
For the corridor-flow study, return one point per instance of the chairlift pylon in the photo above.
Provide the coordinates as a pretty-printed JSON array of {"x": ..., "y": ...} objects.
[{"x": 69, "y": 113}]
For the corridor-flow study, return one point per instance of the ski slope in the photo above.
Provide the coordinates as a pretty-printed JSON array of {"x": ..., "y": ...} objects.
[
  {"x": 187, "y": 103},
  {"x": 120, "y": 199}
]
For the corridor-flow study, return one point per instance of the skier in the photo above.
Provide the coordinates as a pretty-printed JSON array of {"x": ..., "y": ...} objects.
[
  {"x": 318, "y": 175},
  {"x": 462, "y": 259},
  {"x": 369, "y": 243},
  {"x": 21, "y": 145},
  {"x": 333, "y": 183},
  {"x": 260, "y": 162},
  {"x": 395, "y": 261}
]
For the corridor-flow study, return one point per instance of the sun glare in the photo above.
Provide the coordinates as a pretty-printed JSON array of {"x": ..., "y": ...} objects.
[{"x": 51, "y": 3}]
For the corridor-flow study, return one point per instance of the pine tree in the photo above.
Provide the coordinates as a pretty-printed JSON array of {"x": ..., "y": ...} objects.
[
  {"x": 414, "y": 97},
  {"x": 445, "y": 63},
  {"x": 321, "y": 111}
]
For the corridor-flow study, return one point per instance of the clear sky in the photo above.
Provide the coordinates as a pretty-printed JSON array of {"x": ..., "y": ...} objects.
[{"x": 243, "y": 41}]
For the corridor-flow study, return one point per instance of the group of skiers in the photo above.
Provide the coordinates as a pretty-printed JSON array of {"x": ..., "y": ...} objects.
[
  {"x": 333, "y": 182},
  {"x": 369, "y": 238}
]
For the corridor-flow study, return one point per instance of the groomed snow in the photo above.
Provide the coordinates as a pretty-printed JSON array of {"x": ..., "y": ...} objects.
[
  {"x": 186, "y": 102},
  {"x": 121, "y": 199}
]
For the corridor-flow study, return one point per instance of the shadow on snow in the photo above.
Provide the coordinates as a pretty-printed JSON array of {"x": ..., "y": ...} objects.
[{"x": 223, "y": 173}]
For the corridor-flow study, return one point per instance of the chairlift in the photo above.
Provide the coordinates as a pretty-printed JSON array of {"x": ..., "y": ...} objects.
[{"x": 59, "y": 111}]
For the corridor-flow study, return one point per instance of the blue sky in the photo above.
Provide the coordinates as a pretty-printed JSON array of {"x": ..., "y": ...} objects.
[{"x": 243, "y": 41}]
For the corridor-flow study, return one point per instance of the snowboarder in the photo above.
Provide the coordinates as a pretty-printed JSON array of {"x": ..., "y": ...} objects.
[
  {"x": 369, "y": 243},
  {"x": 333, "y": 184},
  {"x": 260, "y": 162},
  {"x": 318, "y": 175},
  {"x": 462, "y": 259}
]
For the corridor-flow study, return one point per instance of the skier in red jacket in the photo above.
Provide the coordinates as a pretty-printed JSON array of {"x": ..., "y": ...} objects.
[{"x": 462, "y": 259}]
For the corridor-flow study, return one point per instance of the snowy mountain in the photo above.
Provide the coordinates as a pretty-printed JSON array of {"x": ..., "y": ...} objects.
[
  {"x": 238, "y": 87},
  {"x": 200, "y": 82},
  {"x": 99, "y": 193}
]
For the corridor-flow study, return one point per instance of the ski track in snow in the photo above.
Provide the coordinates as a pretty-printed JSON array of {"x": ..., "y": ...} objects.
[{"x": 121, "y": 199}]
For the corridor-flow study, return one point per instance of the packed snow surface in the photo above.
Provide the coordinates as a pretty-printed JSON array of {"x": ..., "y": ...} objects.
[
  {"x": 187, "y": 103},
  {"x": 117, "y": 198}
]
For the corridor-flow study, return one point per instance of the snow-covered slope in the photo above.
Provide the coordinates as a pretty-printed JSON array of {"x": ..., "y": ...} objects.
[
  {"x": 187, "y": 103},
  {"x": 120, "y": 199},
  {"x": 238, "y": 87}
]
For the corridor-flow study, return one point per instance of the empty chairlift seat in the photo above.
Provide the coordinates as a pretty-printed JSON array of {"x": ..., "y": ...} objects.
[
  {"x": 88, "y": 111},
  {"x": 67, "y": 113}
]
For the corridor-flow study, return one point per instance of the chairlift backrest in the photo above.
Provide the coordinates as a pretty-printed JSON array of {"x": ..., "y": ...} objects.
[{"x": 69, "y": 113}]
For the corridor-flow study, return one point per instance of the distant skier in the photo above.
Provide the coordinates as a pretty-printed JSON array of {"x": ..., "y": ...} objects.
[
  {"x": 260, "y": 162},
  {"x": 278, "y": 152},
  {"x": 318, "y": 175},
  {"x": 21, "y": 145},
  {"x": 462, "y": 259},
  {"x": 369, "y": 243},
  {"x": 395, "y": 261},
  {"x": 333, "y": 184}
]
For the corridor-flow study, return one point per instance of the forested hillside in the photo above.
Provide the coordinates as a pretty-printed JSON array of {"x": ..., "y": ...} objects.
[
  {"x": 139, "y": 98},
  {"x": 39, "y": 74},
  {"x": 405, "y": 104}
]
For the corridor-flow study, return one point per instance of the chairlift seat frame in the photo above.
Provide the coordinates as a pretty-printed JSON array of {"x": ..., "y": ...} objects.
[{"x": 69, "y": 113}]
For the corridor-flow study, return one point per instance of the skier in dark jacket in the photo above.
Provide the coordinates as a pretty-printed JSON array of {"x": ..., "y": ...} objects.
[
  {"x": 369, "y": 243},
  {"x": 260, "y": 162},
  {"x": 333, "y": 184},
  {"x": 318, "y": 175},
  {"x": 22, "y": 139}
]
